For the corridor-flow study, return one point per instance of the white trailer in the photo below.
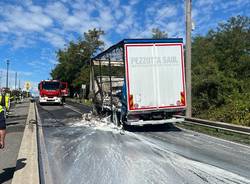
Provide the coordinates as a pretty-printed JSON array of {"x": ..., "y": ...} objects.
[{"x": 154, "y": 80}]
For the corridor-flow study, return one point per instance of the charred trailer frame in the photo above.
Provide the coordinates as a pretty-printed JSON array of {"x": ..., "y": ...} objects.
[{"x": 118, "y": 86}]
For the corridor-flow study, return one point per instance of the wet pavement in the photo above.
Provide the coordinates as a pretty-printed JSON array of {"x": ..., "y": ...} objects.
[{"x": 80, "y": 151}]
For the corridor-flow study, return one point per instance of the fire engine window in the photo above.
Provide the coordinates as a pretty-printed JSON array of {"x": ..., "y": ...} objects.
[{"x": 51, "y": 85}]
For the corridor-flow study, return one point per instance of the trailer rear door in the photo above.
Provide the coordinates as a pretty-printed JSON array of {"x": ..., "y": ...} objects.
[{"x": 155, "y": 76}]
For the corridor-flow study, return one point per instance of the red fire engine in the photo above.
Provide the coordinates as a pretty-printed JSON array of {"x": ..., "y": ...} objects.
[{"x": 50, "y": 91}]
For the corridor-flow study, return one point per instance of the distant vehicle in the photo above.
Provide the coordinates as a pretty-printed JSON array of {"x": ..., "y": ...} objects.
[
  {"x": 32, "y": 99},
  {"x": 153, "y": 87},
  {"x": 50, "y": 92},
  {"x": 64, "y": 89}
]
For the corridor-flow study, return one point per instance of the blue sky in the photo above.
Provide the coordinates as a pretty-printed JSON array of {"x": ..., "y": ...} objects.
[{"x": 32, "y": 31}]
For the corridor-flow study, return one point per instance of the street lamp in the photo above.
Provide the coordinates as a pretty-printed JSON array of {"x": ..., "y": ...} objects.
[
  {"x": 81, "y": 55},
  {"x": 7, "y": 74}
]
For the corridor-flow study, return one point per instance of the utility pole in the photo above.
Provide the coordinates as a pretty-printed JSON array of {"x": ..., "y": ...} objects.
[
  {"x": 188, "y": 58},
  {"x": 1, "y": 75},
  {"x": 19, "y": 85},
  {"x": 7, "y": 74},
  {"x": 15, "y": 80}
]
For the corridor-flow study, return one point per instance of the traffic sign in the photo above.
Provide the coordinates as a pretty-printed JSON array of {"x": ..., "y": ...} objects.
[{"x": 27, "y": 85}]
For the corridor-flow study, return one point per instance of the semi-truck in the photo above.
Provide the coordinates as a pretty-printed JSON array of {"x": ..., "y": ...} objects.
[
  {"x": 50, "y": 92},
  {"x": 153, "y": 85}
]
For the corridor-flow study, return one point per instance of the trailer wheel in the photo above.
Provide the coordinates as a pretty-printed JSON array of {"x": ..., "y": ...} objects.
[
  {"x": 126, "y": 126},
  {"x": 123, "y": 121}
]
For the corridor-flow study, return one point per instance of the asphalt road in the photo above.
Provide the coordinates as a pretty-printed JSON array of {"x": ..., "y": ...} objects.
[
  {"x": 15, "y": 127},
  {"x": 96, "y": 152}
]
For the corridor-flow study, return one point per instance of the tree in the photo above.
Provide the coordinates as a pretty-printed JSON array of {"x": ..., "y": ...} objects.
[
  {"x": 221, "y": 72},
  {"x": 73, "y": 61},
  {"x": 157, "y": 33}
]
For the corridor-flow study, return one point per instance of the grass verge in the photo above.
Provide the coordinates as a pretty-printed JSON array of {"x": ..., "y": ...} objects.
[
  {"x": 87, "y": 102},
  {"x": 81, "y": 101},
  {"x": 223, "y": 134}
]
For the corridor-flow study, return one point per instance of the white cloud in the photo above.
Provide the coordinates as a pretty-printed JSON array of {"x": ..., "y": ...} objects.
[
  {"x": 57, "y": 11},
  {"x": 118, "y": 14},
  {"x": 57, "y": 22},
  {"x": 202, "y": 3},
  {"x": 35, "y": 9},
  {"x": 72, "y": 21},
  {"x": 19, "y": 42},
  {"x": 195, "y": 13},
  {"x": 128, "y": 21},
  {"x": 167, "y": 11},
  {"x": 4, "y": 40},
  {"x": 134, "y": 2},
  {"x": 17, "y": 18},
  {"x": 38, "y": 64},
  {"x": 41, "y": 66},
  {"x": 47, "y": 53},
  {"x": 3, "y": 27},
  {"x": 107, "y": 42},
  {"x": 115, "y": 3},
  {"x": 53, "y": 61},
  {"x": 172, "y": 27},
  {"x": 55, "y": 39}
]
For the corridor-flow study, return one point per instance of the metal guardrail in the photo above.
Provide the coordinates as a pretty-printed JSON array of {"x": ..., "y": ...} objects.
[{"x": 217, "y": 125}]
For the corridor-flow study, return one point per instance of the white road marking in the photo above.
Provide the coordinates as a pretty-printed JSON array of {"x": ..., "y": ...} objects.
[{"x": 73, "y": 109}]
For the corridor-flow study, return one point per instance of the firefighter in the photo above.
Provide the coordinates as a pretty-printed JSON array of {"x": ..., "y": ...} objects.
[
  {"x": 2, "y": 121},
  {"x": 7, "y": 102}
]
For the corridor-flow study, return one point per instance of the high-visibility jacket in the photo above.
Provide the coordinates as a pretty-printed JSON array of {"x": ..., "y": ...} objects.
[
  {"x": 7, "y": 101},
  {"x": 1, "y": 105}
]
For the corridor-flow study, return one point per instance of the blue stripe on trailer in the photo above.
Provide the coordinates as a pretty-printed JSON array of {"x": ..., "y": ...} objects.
[
  {"x": 165, "y": 40},
  {"x": 135, "y": 41}
]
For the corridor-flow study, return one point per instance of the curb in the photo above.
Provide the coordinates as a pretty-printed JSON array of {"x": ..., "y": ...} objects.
[
  {"x": 44, "y": 169},
  {"x": 27, "y": 170}
]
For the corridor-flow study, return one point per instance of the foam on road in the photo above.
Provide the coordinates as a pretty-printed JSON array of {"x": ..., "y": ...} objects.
[{"x": 97, "y": 152}]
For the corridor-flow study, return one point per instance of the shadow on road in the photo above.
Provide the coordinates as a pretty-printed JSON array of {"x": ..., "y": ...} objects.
[
  {"x": 12, "y": 124},
  {"x": 49, "y": 104},
  {"x": 8, "y": 173},
  {"x": 153, "y": 128}
]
